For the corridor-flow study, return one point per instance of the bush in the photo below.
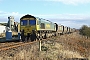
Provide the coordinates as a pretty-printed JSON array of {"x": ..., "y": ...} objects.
[{"x": 85, "y": 30}]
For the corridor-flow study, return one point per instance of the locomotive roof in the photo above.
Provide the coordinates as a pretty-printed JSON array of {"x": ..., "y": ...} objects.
[{"x": 27, "y": 16}]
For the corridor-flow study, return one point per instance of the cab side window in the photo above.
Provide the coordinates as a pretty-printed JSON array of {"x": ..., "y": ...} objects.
[{"x": 42, "y": 26}]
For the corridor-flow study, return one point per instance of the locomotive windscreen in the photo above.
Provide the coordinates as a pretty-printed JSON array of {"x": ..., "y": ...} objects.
[
  {"x": 32, "y": 22},
  {"x": 23, "y": 22}
]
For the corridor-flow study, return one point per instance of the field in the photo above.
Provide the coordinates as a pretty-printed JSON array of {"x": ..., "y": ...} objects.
[{"x": 63, "y": 47}]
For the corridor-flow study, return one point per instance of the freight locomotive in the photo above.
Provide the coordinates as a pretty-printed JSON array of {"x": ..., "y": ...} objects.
[{"x": 33, "y": 28}]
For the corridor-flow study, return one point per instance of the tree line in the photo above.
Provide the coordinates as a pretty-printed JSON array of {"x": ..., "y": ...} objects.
[{"x": 85, "y": 30}]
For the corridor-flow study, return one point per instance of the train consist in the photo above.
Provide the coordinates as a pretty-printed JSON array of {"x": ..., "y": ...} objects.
[{"x": 33, "y": 28}]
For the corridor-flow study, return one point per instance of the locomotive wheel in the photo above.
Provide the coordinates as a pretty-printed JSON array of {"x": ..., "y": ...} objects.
[
  {"x": 40, "y": 37},
  {"x": 45, "y": 36}
]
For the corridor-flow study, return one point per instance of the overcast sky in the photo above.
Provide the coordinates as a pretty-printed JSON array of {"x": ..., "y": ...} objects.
[{"x": 72, "y": 13}]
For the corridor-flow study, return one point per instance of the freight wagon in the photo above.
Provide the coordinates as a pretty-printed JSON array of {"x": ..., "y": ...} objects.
[{"x": 60, "y": 29}]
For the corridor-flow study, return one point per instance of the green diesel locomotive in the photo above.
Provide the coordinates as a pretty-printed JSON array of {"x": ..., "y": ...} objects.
[{"x": 41, "y": 27}]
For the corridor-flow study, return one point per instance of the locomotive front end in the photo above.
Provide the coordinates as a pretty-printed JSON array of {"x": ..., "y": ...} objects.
[{"x": 28, "y": 24}]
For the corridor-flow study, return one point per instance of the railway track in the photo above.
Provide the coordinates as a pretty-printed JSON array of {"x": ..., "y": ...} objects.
[
  {"x": 7, "y": 46},
  {"x": 10, "y": 45}
]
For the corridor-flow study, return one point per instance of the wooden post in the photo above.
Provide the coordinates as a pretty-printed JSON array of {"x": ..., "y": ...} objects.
[{"x": 40, "y": 45}]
